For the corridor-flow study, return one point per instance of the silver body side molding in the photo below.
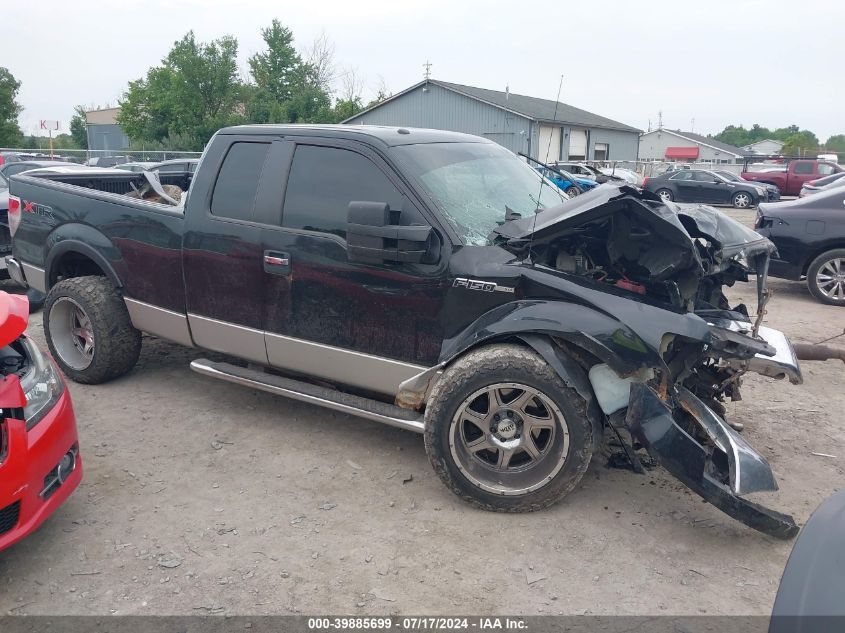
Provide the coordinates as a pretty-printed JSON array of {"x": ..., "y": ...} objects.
[
  {"x": 159, "y": 321},
  {"x": 375, "y": 373},
  {"x": 228, "y": 338},
  {"x": 35, "y": 277},
  {"x": 313, "y": 394}
]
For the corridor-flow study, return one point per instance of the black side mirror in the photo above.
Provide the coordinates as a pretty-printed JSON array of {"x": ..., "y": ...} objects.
[{"x": 372, "y": 238}]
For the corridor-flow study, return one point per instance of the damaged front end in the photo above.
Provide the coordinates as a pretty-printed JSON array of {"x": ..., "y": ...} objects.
[{"x": 662, "y": 270}]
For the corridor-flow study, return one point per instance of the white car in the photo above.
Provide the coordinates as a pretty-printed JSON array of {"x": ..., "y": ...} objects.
[{"x": 628, "y": 175}]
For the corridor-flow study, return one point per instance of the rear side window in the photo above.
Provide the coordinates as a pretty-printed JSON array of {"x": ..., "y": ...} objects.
[
  {"x": 804, "y": 168},
  {"x": 322, "y": 183},
  {"x": 237, "y": 183}
]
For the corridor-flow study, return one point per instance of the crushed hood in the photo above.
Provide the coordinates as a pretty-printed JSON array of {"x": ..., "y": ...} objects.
[
  {"x": 14, "y": 316},
  {"x": 678, "y": 226}
]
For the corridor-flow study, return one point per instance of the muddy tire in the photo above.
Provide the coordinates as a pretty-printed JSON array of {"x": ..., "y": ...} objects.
[
  {"x": 826, "y": 277},
  {"x": 505, "y": 433},
  {"x": 89, "y": 331}
]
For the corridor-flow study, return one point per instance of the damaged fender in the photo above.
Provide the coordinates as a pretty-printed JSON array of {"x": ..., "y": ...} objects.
[{"x": 719, "y": 476}]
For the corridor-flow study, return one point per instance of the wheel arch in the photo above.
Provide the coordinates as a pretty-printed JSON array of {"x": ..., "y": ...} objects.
[
  {"x": 74, "y": 258},
  {"x": 817, "y": 252}
]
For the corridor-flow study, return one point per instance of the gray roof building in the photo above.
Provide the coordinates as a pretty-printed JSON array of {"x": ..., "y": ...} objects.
[
  {"x": 665, "y": 144},
  {"x": 541, "y": 128}
]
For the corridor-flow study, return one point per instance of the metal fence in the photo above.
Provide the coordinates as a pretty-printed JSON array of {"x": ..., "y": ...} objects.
[{"x": 83, "y": 155}]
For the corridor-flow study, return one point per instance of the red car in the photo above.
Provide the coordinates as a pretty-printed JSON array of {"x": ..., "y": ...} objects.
[{"x": 39, "y": 450}]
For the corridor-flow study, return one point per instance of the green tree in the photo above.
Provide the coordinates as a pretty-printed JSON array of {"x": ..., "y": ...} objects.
[
  {"x": 79, "y": 128},
  {"x": 10, "y": 132},
  {"x": 735, "y": 135},
  {"x": 801, "y": 143},
  {"x": 836, "y": 143},
  {"x": 195, "y": 92},
  {"x": 286, "y": 88}
]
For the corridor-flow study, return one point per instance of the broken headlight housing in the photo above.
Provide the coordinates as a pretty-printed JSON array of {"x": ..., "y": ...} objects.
[{"x": 42, "y": 385}]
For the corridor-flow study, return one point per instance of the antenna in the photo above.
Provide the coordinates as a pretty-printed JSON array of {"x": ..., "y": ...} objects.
[
  {"x": 692, "y": 124},
  {"x": 660, "y": 119},
  {"x": 427, "y": 66},
  {"x": 542, "y": 178}
]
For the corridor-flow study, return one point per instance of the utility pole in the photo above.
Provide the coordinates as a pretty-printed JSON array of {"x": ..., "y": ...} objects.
[{"x": 692, "y": 124}]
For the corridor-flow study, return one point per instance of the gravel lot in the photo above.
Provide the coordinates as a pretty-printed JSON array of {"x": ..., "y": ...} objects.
[{"x": 203, "y": 497}]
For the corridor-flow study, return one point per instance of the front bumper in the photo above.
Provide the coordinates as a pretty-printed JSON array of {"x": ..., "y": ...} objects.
[
  {"x": 720, "y": 469},
  {"x": 28, "y": 491}
]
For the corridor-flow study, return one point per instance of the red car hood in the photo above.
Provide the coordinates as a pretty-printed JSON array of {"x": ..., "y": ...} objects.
[{"x": 14, "y": 315}]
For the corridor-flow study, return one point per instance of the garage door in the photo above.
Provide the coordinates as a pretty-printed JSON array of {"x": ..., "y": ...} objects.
[
  {"x": 549, "y": 150},
  {"x": 577, "y": 144}
]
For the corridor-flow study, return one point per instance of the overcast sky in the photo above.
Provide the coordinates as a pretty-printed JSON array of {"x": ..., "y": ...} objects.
[{"x": 773, "y": 62}]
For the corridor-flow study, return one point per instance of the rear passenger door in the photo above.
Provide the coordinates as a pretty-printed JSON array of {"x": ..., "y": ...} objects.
[
  {"x": 222, "y": 255},
  {"x": 366, "y": 325}
]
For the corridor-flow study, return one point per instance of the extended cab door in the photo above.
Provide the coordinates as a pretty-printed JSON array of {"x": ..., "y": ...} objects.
[
  {"x": 370, "y": 326},
  {"x": 222, "y": 253}
]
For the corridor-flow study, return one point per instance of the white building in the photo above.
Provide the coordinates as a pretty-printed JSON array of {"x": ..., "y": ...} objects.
[
  {"x": 765, "y": 147},
  {"x": 674, "y": 145}
]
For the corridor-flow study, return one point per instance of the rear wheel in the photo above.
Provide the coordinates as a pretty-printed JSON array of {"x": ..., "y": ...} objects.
[
  {"x": 572, "y": 191},
  {"x": 505, "y": 433},
  {"x": 665, "y": 194},
  {"x": 742, "y": 200},
  {"x": 89, "y": 331},
  {"x": 826, "y": 277}
]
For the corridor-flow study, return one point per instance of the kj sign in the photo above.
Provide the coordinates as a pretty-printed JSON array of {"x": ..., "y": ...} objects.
[{"x": 46, "y": 124}]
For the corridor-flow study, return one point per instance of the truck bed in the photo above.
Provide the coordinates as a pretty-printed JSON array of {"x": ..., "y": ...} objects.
[{"x": 81, "y": 207}]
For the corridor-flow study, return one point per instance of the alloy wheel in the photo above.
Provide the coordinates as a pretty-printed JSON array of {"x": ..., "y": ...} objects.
[
  {"x": 509, "y": 438},
  {"x": 742, "y": 201},
  {"x": 72, "y": 333},
  {"x": 830, "y": 279}
]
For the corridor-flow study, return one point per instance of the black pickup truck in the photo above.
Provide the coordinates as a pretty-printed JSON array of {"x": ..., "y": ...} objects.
[{"x": 432, "y": 281}]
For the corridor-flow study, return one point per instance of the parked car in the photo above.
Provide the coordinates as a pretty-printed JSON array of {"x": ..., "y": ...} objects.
[
  {"x": 107, "y": 161},
  {"x": 772, "y": 192},
  {"x": 790, "y": 179},
  {"x": 41, "y": 465},
  {"x": 9, "y": 157},
  {"x": 623, "y": 173},
  {"x": 431, "y": 281},
  {"x": 179, "y": 171},
  {"x": 580, "y": 170},
  {"x": 571, "y": 185},
  {"x": 136, "y": 166},
  {"x": 700, "y": 185},
  {"x": 810, "y": 237},
  {"x": 820, "y": 184}
]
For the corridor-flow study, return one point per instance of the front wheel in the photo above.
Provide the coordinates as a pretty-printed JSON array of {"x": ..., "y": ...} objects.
[
  {"x": 572, "y": 191},
  {"x": 741, "y": 200},
  {"x": 89, "y": 331},
  {"x": 505, "y": 433},
  {"x": 826, "y": 277}
]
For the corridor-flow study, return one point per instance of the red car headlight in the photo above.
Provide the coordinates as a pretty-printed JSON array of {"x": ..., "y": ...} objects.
[{"x": 42, "y": 385}]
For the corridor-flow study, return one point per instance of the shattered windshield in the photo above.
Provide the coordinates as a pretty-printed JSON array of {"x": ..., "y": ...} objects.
[{"x": 475, "y": 185}]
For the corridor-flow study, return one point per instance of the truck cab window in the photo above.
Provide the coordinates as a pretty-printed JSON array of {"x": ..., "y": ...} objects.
[
  {"x": 237, "y": 182},
  {"x": 322, "y": 183}
]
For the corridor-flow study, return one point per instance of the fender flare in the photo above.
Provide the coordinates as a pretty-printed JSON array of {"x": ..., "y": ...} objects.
[{"x": 66, "y": 246}]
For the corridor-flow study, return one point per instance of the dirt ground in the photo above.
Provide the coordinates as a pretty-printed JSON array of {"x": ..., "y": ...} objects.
[{"x": 203, "y": 497}]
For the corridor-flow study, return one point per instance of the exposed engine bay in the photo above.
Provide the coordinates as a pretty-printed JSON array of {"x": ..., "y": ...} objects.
[{"x": 673, "y": 263}]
